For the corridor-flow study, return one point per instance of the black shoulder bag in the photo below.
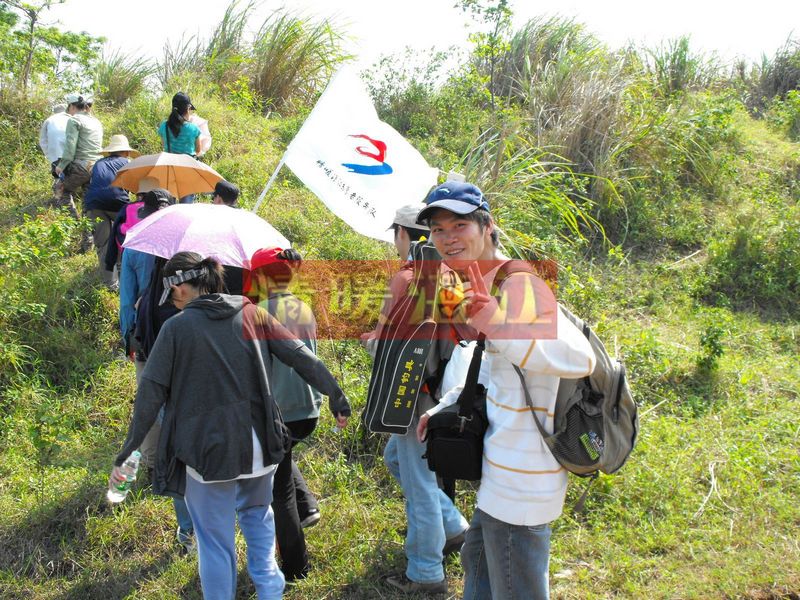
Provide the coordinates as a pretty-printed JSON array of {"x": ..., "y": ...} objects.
[{"x": 455, "y": 434}]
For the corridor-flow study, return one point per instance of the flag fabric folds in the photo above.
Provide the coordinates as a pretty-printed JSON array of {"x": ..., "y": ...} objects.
[{"x": 359, "y": 166}]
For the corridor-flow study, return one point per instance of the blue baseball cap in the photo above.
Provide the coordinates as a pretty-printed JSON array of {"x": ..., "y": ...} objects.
[{"x": 455, "y": 196}]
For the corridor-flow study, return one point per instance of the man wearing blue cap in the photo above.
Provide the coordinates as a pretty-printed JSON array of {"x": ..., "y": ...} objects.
[{"x": 507, "y": 547}]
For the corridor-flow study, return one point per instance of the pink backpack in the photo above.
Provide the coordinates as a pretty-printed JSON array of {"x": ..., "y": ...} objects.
[{"x": 131, "y": 219}]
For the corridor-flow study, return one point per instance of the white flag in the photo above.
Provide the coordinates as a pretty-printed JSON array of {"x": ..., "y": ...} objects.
[{"x": 360, "y": 167}]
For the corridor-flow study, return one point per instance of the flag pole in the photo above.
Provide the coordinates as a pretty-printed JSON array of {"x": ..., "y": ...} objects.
[{"x": 269, "y": 184}]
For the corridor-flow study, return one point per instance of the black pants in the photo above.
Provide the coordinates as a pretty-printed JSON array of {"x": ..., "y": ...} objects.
[{"x": 292, "y": 502}]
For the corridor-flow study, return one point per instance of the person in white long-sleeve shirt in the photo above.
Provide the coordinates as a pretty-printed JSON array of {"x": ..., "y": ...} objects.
[
  {"x": 522, "y": 489},
  {"x": 52, "y": 135}
]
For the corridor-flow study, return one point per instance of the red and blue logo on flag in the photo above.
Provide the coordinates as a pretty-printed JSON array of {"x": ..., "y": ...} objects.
[{"x": 379, "y": 154}]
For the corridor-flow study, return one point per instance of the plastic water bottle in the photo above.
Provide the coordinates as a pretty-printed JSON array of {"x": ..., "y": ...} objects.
[{"x": 116, "y": 493}]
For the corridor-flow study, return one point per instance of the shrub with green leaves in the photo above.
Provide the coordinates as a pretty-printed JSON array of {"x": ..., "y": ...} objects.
[
  {"x": 784, "y": 115},
  {"x": 757, "y": 266}
]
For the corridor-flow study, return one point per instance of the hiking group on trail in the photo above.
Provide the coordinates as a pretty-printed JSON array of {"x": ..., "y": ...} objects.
[{"x": 228, "y": 380}]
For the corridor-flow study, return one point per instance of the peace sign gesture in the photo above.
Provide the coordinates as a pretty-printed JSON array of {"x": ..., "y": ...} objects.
[{"x": 479, "y": 297}]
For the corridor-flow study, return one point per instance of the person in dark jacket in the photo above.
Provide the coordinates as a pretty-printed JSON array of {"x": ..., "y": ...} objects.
[
  {"x": 102, "y": 201},
  {"x": 222, "y": 434}
]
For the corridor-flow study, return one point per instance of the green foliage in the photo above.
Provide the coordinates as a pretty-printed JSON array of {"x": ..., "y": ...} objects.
[
  {"x": 489, "y": 45},
  {"x": 711, "y": 348},
  {"x": 676, "y": 69},
  {"x": 757, "y": 265},
  {"x": 439, "y": 111},
  {"x": 784, "y": 115},
  {"x": 32, "y": 53},
  {"x": 120, "y": 77}
]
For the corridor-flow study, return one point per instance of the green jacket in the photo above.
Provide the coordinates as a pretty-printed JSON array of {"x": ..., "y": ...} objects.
[
  {"x": 296, "y": 398},
  {"x": 83, "y": 141}
]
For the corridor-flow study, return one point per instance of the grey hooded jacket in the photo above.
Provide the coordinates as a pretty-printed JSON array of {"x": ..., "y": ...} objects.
[{"x": 210, "y": 368}]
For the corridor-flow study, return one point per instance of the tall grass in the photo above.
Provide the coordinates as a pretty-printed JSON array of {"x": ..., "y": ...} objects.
[
  {"x": 675, "y": 68},
  {"x": 285, "y": 63},
  {"x": 576, "y": 97},
  {"x": 119, "y": 77},
  {"x": 227, "y": 52},
  {"x": 186, "y": 56},
  {"x": 293, "y": 59},
  {"x": 773, "y": 77},
  {"x": 529, "y": 188}
]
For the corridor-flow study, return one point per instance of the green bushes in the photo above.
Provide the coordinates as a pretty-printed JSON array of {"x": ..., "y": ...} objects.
[
  {"x": 757, "y": 266},
  {"x": 784, "y": 115},
  {"x": 56, "y": 320}
]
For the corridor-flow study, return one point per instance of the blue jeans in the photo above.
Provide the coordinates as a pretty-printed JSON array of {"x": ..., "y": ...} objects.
[
  {"x": 504, "y": 561},
  {"x": 182, "y": 515},
  {"x": 214, "y": 508},
  {"x": 432, "y": 517}
]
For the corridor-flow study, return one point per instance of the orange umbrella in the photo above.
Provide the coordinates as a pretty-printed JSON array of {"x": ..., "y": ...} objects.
[{"x": 180, "y": 174}]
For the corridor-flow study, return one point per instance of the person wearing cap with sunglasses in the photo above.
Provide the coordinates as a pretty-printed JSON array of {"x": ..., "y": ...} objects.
[
  {"x": 178, "y": 134},
  {"x": 83, "y": 140},
  {"x": 507, "y": 547},
  {"x": 222, "y": 435},
  {"x": 435, "y": 526},
  {"x": 102, "y": 201}
]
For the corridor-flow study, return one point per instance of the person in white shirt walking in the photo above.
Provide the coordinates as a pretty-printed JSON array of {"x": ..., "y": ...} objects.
[{"x": 51, "y": 140}]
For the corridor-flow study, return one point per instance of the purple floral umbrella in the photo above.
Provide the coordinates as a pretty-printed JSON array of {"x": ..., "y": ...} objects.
[{"x": 231, "y": 235}]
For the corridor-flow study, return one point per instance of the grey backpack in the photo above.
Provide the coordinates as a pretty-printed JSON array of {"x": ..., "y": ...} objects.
[{"x": 596, "y": 420}]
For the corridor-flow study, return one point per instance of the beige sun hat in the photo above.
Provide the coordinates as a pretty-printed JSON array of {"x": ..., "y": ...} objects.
[
  {"x": 119, "y": 143},
  {"x": 148, "y": 184}
]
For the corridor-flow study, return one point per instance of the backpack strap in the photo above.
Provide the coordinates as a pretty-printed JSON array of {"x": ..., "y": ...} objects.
[
  {"x": 529, "y": 402},
  {"x": 469, "y": 391},
  {"x": 506, "y": 270}
]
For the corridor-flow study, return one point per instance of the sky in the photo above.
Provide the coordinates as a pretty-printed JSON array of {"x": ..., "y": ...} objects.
[{"x": 731, "y": 29}]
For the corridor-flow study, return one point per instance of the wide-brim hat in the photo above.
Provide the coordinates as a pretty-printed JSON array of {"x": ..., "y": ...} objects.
[
  {"x": 119, "y": 143},
  {"x": 148, "y": 184}
]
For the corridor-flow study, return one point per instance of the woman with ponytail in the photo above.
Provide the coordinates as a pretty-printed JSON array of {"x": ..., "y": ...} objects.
[
  {"x": 178, "y": 134},
  {"x": 222, "y": 435}
]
